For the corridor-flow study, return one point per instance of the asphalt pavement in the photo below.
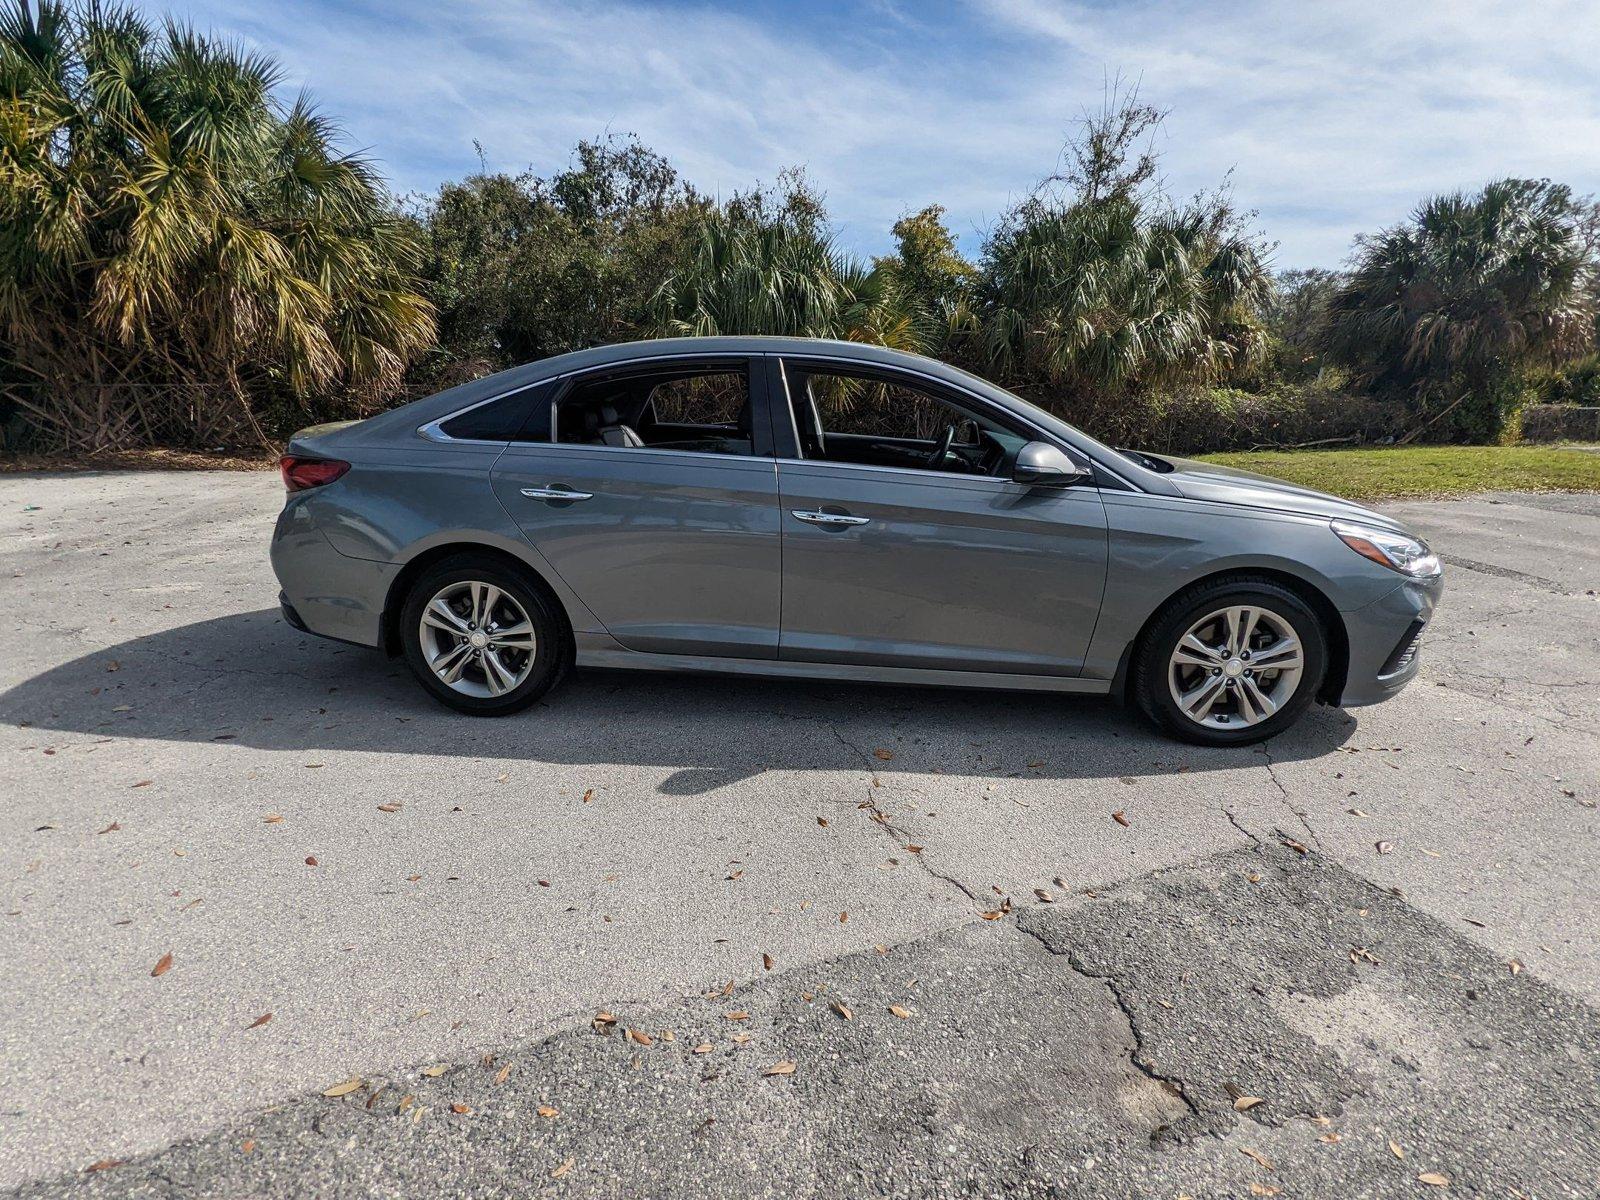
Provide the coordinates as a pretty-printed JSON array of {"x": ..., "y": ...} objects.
[{"x": 1061, "y": 903}]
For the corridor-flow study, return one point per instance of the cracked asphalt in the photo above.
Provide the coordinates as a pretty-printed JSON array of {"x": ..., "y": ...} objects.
[{"x": 1381, "y": 925}]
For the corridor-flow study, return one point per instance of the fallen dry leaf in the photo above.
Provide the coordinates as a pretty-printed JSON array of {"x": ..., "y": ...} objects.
[
  {"x": 1120, "y": 817},
  {"x": 503, "y": 1074},
  {"x": 247, "y": 1145},
  {"x": 343, "y": 1089},
  {"x": 737, "y": 1014},
  {"x": 992, "y": 916},
  {"x": 388, "y": 808},
  {"x": 1260, "y": 1158},
  {"x": 111, "y": 828},
  {"x": 903, "y": 1014},
  {"x": 548, "y": 1111},
  {"x": 563, "y": 1168},
  {"x": 1330, "y": 1138},
  {"x": 1514, "y": 966},
  {"x": 144, "y": 783},
  {"x": 1264, "y": 1189},
  {"x": 163, "y": 965},
  {"x": 405, "y": 1103},
  {"x": 844, "y": 917},
  {"x": 311, "y": 860},
  {"x": 105, "y": 1164},
  {"x": 1246, "y": 1103},
  {"x": 588, "y": 796},
  {"x": 1434, "y": 1179},
  {"x": 1044, "y": 896},
  {"x": 436, "y": 1070},
  {"x": 1385, "y": 847},
  {"x": 782, "y": 1067},
  {"x": 461, "y": 1109},
  {"x": 767, "y": 962},
  {"x": 882, "y": 754},
  {"x": 704, "y": 1048},
  {"x": 272, "y": 819},
  {"x": 842, "y": 1009},
  {"x": 259, "y": 1021},
  {"x": 1394, "y": 1149},
  {"x": 640, "y": 1036},
  {"x": 823, "y": 821},
  {"x": 1297, "y": 847},
  {"x": 602, "y": 1022}
]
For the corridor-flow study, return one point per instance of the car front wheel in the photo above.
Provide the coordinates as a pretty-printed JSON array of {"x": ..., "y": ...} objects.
[
  {"x": 1231, "y": 662},
  {"x": 481, "y": 637}
]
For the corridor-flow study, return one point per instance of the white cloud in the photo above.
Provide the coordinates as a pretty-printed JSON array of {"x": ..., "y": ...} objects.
[{"x": 1337, "y": 117}]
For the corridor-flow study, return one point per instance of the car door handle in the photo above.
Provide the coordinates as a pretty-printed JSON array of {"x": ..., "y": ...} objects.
[
  {"x": 555, "y": 493},
  {"x": 826, "y": 518}
]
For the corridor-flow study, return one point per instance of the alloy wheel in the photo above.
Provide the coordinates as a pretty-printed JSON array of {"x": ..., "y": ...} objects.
[
  {"x": 477, "y": 639},
  {"x": 1235, "y": 667}
]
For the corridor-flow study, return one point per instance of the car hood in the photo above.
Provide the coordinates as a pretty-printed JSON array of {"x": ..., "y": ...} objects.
[{"x": 1229, "y": 485}]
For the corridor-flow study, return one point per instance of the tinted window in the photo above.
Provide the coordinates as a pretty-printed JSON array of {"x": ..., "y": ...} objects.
[
  {"x": 877, "y": 421},
  {"x": 520, "y": 417},
  {"x": 704, "y": 410}
]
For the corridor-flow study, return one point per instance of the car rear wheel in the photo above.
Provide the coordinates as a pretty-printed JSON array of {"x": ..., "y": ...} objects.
[
  {"x": 482, "y": 637},
  {"x": 1231, "y": 662}
]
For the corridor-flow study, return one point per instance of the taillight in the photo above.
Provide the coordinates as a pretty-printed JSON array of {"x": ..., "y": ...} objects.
[{"x": 302, "y": 473}]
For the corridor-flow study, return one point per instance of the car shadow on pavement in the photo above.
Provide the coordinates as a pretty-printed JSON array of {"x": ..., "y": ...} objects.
[{"x": 251, "y": 680}]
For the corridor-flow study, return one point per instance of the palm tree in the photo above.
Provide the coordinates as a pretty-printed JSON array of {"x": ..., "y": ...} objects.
[
  {"x": 174, "y": 244},
  {"x": 780, "y": 274},
  {"x": 1453, "y": 308},
  {"x": 1102, "y": 299}
]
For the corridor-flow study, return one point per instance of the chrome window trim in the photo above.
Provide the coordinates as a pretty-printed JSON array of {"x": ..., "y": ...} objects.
[
  {"x": 983, "y": 401},
  {"x": 433, "y": 433}
]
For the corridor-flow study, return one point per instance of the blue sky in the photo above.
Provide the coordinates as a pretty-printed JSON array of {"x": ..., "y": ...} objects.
[{"x": 1334, "y": 117}]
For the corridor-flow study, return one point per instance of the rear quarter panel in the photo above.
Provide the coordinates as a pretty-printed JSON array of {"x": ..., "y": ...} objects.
[{"x": 396, "y": 503}]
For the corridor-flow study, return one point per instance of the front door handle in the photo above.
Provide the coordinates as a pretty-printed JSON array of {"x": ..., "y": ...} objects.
[
  {"x": 826, "y": 518},
  {"x": 555, "y": 493}
]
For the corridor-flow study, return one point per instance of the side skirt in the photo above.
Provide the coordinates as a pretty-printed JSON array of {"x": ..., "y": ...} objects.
[{"x": 601, "y": 651}]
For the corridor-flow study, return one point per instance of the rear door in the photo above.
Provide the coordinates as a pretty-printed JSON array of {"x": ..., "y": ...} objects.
[
  {"x": 654, "y": 495},
  {"x": 889, "y": 559}
]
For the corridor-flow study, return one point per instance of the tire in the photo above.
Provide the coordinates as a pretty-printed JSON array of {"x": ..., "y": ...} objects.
[
  {"x": 494, "y": 678},
  {"x": 1239, "y": 701}
]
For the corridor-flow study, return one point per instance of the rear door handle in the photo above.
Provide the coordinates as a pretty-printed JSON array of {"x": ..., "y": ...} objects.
[
  {"x": 826, "y": 518},
  {"x": 555, "y": 493}
]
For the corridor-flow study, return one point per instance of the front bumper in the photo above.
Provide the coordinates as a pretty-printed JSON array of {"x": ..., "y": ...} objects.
[{"x": 1385, "y": 639}]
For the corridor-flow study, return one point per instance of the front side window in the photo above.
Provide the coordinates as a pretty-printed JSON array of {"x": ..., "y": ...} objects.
[
  {"x": 881, "y": 421},
  {"x": 705, "y": 410}
]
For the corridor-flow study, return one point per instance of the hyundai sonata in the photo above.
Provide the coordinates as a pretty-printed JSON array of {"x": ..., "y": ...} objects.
[{"x": 828, "y": 510}]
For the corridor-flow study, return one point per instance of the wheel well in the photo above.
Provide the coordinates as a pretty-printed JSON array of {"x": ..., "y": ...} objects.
[
  {"x": 413, "y": 570},
  {"x": 1332, "y": 624}
]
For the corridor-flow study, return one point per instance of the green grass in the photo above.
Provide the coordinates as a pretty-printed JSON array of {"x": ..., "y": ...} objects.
[{"x": 1398, "y": 473}]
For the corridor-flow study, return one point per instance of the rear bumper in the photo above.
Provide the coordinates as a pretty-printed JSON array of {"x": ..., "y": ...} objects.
[
  {"x": 325, "y": 592},
  {"x": 1385, "y": 641}
]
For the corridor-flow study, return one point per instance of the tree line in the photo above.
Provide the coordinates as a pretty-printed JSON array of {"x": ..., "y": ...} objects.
[{"x": 187, "y": 260}]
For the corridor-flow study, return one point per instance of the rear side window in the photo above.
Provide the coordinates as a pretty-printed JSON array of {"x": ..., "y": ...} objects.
[{"x": 520, "y": 417}]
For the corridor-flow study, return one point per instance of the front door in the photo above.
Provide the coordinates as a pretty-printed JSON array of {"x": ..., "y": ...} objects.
[
  {"x": 905, "y": 542},
  {"x": 656, "y": 501}
]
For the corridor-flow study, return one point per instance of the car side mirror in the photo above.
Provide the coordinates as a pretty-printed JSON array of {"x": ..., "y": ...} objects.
[{"x": 1041, "y": 464}]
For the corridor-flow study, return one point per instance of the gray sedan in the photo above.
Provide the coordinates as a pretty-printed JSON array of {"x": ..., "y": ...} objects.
[{"x": 828, "y": 510}]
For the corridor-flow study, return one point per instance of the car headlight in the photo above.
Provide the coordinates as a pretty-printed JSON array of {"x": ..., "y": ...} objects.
[{"x": 1389, "y": 549}]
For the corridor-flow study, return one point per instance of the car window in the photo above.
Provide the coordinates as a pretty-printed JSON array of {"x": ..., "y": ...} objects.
[
  {"x": 877, "y": 421},
  {"x": 523, "y": 416},
  {"x": 699, "y": 410}
]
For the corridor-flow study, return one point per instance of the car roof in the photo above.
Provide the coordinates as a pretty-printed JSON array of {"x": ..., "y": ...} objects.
[{"x": 465, "y": 395}]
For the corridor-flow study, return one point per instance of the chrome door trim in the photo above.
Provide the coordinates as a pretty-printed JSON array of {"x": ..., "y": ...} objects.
[
  {"x": 555, "y": 493},
  {"x": 818, "y": 517}
]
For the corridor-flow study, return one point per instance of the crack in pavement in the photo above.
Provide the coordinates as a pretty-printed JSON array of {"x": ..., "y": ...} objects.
[
  {"x": 897, "y": 833},
  {"x": 1283, "y": 795},
  {"x": 1138, "y": 1055}
]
